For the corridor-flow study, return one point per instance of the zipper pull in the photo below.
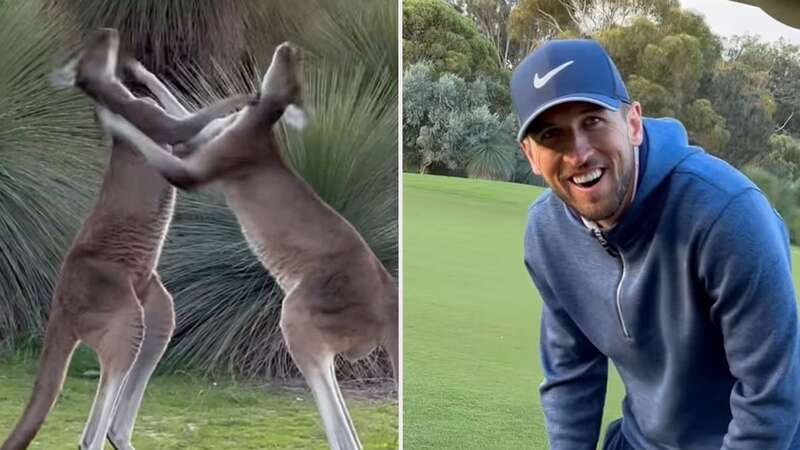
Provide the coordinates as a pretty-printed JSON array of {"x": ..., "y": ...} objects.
[{"x": 598, "y": 234}]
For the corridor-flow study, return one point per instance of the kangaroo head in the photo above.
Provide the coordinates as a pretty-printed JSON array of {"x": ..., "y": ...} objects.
[
  {"x": 98, "y": 59},
  {"x": 281, "y": 87}
]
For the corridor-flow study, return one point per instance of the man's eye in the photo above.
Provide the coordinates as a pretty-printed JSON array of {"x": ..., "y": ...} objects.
[
  {"x": 592, "y": 121},
  {"x": 550, "y": 133}
]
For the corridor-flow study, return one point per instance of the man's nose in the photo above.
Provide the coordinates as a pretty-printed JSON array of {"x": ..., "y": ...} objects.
[{"x": 580, "y": 149}]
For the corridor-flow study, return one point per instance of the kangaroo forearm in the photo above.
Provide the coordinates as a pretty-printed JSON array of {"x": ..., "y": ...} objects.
[
  {"x": 154, "y": 121},
  {"x": 171, "y": 104},
  {"x": 182, "y": 174},
  {"x": 174, "y": 131},
  {"x": 151, "y": 119},
  {"x": 214, "y": 111}
]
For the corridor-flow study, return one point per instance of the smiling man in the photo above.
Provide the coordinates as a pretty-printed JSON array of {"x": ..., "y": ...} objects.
[{"x": 653, "y": 254}]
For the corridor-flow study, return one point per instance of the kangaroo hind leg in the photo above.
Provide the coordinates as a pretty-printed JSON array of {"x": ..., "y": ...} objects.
[
  {"x": 115, "y": 333},
  {"x": 315, "y": 359},
  {"x": 159, "y": 320}
]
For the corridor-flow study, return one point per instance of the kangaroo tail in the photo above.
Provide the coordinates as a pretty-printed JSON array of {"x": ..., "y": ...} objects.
[{"x": 59, "y": 344}]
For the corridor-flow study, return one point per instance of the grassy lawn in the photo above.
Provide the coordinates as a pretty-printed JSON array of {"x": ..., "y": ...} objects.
[
  {"x": 471, "y": 318},
  {"x": 185, "y": 412}
]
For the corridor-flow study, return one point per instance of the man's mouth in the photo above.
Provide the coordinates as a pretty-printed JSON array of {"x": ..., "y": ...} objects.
[{"x": 588, "y": 179}]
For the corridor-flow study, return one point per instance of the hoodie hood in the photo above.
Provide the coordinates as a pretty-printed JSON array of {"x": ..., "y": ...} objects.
[{"x": 664, "y": 147}]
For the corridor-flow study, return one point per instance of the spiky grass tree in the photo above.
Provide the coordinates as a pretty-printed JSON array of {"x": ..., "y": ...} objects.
[
  {"x": 163, "y": 33},
  {"x": 227, "y": 305},
  {"x": 49, "y": 159}
]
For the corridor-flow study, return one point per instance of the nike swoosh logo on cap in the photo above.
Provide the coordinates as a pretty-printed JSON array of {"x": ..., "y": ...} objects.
[{"x": 539, "y": 82}]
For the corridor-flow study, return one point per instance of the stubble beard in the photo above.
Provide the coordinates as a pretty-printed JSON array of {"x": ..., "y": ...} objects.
[{"x": 609, "y": 207}]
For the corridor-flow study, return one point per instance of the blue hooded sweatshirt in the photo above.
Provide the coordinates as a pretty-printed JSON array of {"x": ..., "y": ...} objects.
[{"x": 690, "y": 295}]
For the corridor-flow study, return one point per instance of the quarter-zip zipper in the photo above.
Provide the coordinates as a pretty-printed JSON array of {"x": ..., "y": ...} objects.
[
  {"x": 618, "y": 300},
  {"x": 611, "y": 250}
]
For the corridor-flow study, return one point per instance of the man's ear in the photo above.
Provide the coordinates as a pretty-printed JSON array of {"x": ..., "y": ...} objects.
[
  {"x": 528, "y": 147},
  {"x": 634, "y": 121}
]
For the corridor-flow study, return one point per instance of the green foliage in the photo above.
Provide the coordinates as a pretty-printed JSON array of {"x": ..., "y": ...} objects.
[
  {"x": 741, "y": 96},
  {"x": 656, "y": 100},
  {"x": 706, "y": 126},
  {"x": 490, "y": 147},
  {"x": 533, "y": 21},
  {"x": 435, "y": 32},
  {"x": 335, "y": 30},
  {"x": 447, "y": 122},
  {"x": 664, "y": 63},
  {"x": 781, "y": 61},
  {"x": 731, "y": 101},
  {"x": 626, "y": 45},
  {"x": 48, "y": 148},
  {"x": 783, "y": 195},
  {"x": 522, "y": 168},
  {"x": 784, "y": 156},
  {"x": 591, "y": 16},
  {"x": 492, "y": 19},
  {"x": 436, "y": 137},
  {"x": 676, "y": 62},
  {"x": 680, "y": 21}
]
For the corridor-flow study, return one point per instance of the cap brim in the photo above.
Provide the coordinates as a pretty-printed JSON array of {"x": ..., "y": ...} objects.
[{"x": 601, "y": 100}]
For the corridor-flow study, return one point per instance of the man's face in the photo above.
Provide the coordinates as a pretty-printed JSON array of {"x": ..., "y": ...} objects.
[{"x": 585, "y": 154}]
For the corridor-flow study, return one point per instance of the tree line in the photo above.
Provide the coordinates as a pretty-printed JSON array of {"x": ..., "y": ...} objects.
[{"x": 739, "y": 97}]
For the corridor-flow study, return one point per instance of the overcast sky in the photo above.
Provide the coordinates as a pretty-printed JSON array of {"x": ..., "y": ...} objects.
[{"x": 727, "y": 18}]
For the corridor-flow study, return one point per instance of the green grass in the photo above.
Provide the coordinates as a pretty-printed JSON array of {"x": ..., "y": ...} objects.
[
  {"x": 471, "y": 318},
  {"x": 186, "y": 412}
]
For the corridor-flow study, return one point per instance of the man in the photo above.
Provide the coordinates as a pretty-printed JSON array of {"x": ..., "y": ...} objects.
[{"x": 658, "y": 256}]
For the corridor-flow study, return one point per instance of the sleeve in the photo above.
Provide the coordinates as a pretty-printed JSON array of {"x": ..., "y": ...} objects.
[
  {"x": 575, "y": 375},
  {"x": 744, "y": 262}
]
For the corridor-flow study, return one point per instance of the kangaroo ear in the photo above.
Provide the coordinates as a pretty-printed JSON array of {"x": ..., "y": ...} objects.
[
  {"x": 282, "y": 78},
  {"x": 64, "y": 76},
  {"x": 281, "y": 87}
]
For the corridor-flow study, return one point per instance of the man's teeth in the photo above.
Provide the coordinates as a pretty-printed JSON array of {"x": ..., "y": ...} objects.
[{"x": 588, "y": 177}]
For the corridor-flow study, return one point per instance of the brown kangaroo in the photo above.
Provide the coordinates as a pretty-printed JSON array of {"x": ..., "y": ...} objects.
[
  {"x": 339, "y": 298},
  {"x": 108, "y": 294}
]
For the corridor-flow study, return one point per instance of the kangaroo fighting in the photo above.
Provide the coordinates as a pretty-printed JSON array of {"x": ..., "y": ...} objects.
[
  {"x": 339, "y": 298},
  {"x": 108, "y": 294}
]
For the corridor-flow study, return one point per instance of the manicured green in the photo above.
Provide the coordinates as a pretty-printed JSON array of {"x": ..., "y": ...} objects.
[
  {"x": 185, "y": 412},
  {"x": 471, "y": 318}
]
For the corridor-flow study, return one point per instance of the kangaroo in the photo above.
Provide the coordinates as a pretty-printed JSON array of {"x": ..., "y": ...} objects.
[
  {"x": 108, "y": 294},
  {"x": 339, "y": 298}
]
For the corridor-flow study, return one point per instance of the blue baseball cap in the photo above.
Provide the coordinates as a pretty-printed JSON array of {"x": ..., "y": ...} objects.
[{"x": 560, "y": 71}]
